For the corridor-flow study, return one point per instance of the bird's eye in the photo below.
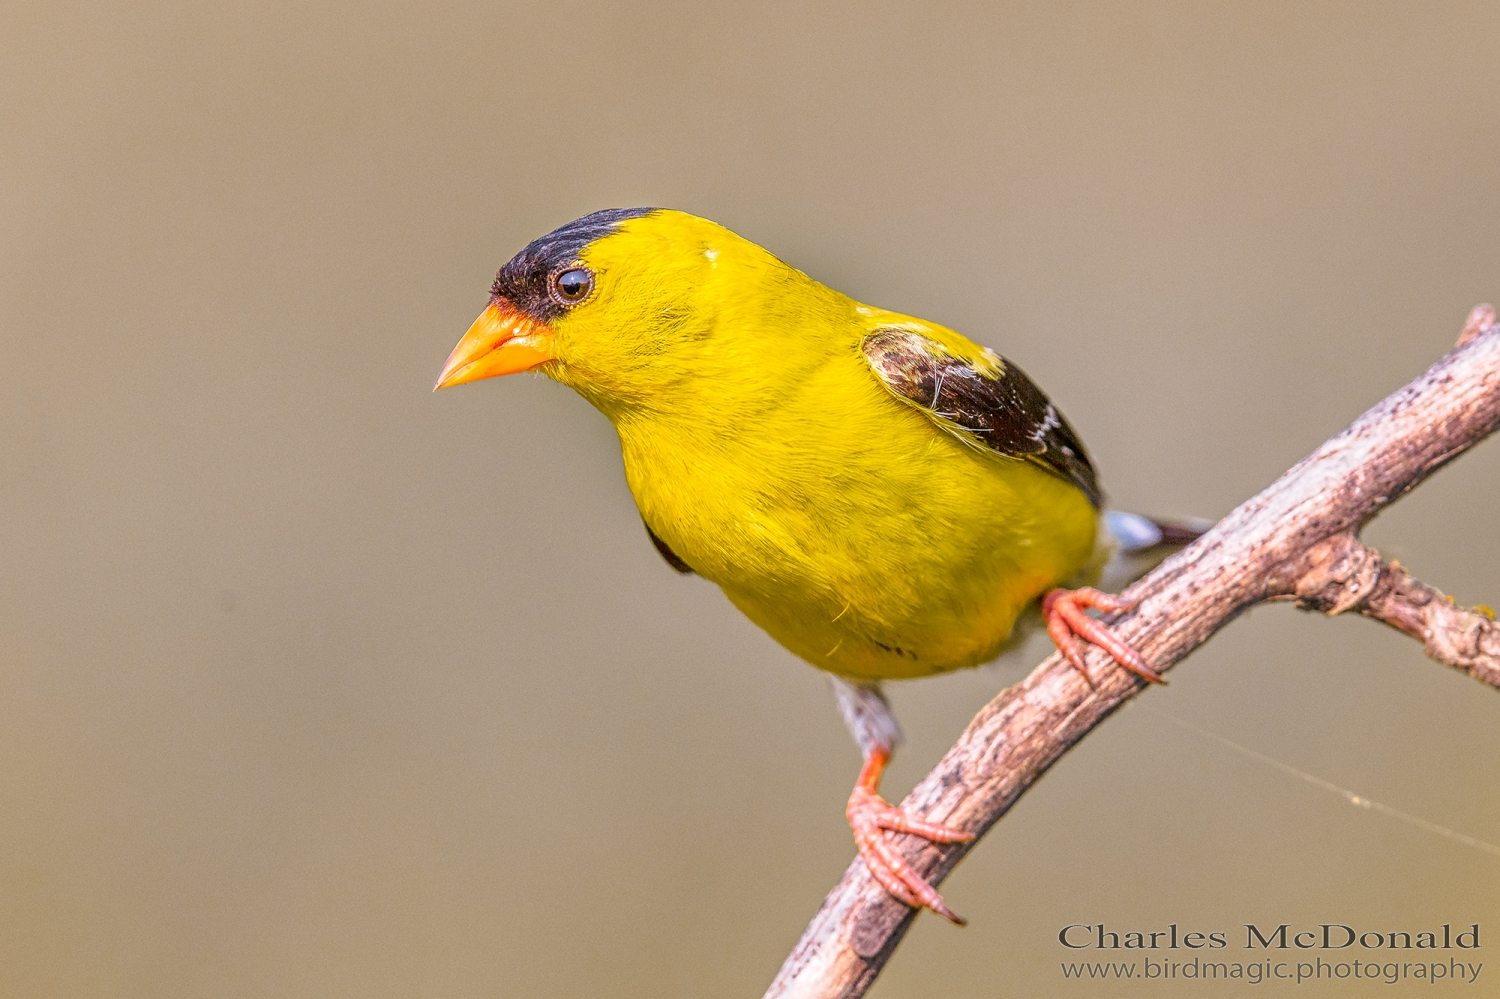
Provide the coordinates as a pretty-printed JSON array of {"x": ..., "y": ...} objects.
[{"x": 573, "y": 285}]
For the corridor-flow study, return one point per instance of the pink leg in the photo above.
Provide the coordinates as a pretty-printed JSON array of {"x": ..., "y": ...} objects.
[
  {"x": 870, "y": 815},
  {"x": 1067, "y": 622}
]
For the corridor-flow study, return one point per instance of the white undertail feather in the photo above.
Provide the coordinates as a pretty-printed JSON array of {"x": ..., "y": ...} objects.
[{"x": 1130, "y": 546}]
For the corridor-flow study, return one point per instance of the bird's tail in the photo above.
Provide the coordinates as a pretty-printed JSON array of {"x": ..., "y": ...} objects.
[
  {"x": 1134, "y": 533},
  {"x": 1131, "y": 545}
]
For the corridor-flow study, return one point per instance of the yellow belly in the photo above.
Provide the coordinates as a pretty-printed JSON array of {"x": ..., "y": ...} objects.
[{"x": 874, "y": 545}]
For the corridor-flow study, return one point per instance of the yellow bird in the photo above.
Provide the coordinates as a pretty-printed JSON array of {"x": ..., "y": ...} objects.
[{"x": 880, "y": 494}]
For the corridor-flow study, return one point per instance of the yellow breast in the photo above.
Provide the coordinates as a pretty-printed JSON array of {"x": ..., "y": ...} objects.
[{"x": 857, "y": 534}]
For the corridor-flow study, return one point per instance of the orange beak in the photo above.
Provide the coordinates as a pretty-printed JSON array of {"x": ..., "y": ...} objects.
[{"x": 502, "y": 341}]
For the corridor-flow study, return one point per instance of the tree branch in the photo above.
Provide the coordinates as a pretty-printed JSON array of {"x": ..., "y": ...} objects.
[
  {"x": 1341, "y": 573},
  {"x": 1296, "y": 540}
]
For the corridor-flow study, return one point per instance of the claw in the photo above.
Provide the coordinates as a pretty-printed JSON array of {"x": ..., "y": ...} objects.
[
  {"x": 870, "y": 816},
  {"x": 1067, "y": 622}
]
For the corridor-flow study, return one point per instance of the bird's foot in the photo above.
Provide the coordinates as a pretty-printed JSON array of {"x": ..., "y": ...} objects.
[
  {"x": 1067, "y": 623},
  {"x": 870, "y": 816}
]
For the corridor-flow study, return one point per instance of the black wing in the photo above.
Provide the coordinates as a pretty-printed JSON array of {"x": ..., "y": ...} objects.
[
  {"x": 1004, "y": 412},
  {"x": 673, "y": 559}
]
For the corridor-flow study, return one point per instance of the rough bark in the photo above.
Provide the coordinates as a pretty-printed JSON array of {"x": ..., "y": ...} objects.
[
  {"x": 1341, "y": 574},
  {"x": 1297, "y": 539}
]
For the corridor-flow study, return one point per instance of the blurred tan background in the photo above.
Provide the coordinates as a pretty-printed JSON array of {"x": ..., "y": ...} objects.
[{"x": 317, "y": 684}]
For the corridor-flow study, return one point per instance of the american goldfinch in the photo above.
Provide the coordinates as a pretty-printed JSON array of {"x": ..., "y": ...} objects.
[{"x": 882, "y": 495}]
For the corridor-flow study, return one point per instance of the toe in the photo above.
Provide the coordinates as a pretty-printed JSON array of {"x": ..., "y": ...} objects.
[
  {"x": 887, "y": 864},
  {"x": 1067, "y": 622},
  {"x": 897, "y": 820},
  {"x": 871, "y": 816}
]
